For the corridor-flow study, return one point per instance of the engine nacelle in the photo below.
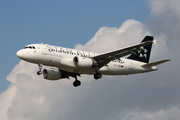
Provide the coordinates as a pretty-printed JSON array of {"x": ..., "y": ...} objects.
[
  {"x": 83, "y": 62},
  {"x": 67, "y": 62},
  {"x": 51, "y": 74}
]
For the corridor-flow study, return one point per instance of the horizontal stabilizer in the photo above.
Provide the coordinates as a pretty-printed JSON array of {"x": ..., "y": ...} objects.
[{"x": 155, "y": 63}]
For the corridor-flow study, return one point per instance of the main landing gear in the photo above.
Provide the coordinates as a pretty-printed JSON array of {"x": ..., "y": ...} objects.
[
  {"x": 76, "y": 83},
  {"x": 97, "y": 76},
  {"x": 40, "y": 67}
]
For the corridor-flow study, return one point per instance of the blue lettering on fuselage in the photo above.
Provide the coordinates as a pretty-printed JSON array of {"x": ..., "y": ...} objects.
[
  {"x": 68, "y": 51},
  {"x": 52, "y": 50}
]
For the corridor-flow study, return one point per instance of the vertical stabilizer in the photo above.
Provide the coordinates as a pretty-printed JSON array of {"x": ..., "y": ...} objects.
[{"x": 143, "y": 54}]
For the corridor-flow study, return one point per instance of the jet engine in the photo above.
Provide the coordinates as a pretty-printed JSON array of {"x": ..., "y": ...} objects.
[
  {"x": 51, "y": 74},
  {"x": 84, "y": 62},
  {"x": 67, "y": 62}
]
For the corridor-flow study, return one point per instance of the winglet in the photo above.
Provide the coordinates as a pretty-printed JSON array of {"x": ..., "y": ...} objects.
[
  {"x": 155, "y": 63},
  {"x": 155, "y": 41}
]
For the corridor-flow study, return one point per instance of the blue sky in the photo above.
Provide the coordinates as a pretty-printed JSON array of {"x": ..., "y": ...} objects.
[{"x": 62, "y": 23}]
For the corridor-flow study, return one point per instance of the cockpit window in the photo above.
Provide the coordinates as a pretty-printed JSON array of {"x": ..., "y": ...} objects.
[{"x": 30, "y": 47}]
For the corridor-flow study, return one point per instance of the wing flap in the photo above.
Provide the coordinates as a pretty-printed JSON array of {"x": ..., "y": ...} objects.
[{"x": 156, "y": 63}]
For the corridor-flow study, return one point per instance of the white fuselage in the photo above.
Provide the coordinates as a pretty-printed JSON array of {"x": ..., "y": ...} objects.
[{"x": 62, "y": 58}]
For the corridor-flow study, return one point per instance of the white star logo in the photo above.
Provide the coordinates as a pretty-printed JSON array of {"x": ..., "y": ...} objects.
[{"x": 142, "y": 52}]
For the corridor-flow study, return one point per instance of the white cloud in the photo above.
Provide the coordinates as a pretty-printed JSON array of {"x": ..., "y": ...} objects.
[
  {"x": 5, "y": 101},
  {"x": 160, "y": 7},
  {"x": 31, "y": 97},
  {"x": 164, "y": 20},
  {"x": 172, "y": 113},
  {"x": 106, "y": 39}
]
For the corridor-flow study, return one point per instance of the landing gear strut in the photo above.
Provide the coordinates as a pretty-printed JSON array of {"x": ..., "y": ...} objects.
[
  {"x": 97, "y": 75},
  {"x": 40, "y": 67},
  {"x": 76, "y": 83}
]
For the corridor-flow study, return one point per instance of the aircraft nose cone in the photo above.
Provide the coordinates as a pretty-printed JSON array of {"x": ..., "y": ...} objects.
[{"x": 19, "y": 54}]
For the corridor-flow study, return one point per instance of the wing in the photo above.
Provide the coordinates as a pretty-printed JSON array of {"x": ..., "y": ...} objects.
[{"x": 105, "y": 58}]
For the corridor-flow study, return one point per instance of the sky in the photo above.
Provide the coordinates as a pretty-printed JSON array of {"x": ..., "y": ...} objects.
[
  {"x": 61, "y": 23},
  {"x": 97, "y": 26}
]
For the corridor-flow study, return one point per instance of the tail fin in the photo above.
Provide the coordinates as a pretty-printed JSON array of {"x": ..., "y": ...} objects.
[{"x": 143, "y": 54}]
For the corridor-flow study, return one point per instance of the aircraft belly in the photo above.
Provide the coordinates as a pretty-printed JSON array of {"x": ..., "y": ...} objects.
[
  {"x": 122, "y": 68},
  {"x": 78, "y": 70}
]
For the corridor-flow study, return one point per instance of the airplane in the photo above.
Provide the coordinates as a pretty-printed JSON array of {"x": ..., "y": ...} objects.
[{"x": 66, "y": 62}]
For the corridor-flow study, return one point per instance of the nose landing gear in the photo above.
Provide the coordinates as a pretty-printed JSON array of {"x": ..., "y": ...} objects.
[{"x": 40, "y": 67}]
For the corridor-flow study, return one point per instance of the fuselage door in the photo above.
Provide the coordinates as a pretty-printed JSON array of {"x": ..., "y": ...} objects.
[
  {"x": 131, "y": 65},
  {"x": 44, "y": 49}
]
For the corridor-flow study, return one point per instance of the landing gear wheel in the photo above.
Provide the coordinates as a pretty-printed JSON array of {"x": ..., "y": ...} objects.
[
  {"x": 97, "y": 76},
  {"x": 40, "y": 67},
  {"x": 39, "y": 72},
  {"x": 76, "y": 83}
]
